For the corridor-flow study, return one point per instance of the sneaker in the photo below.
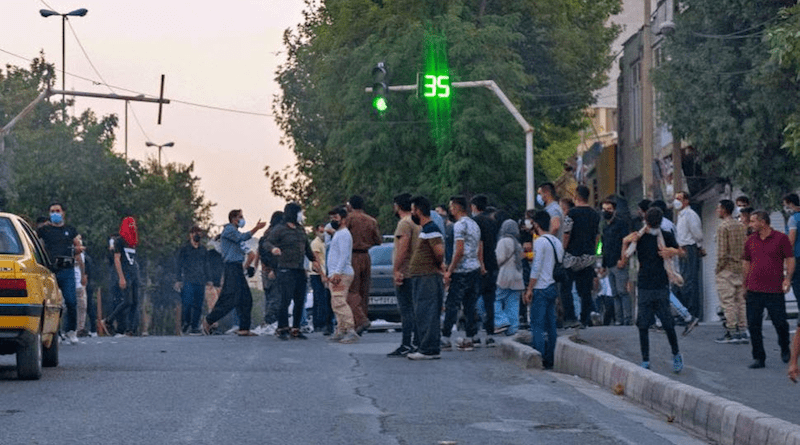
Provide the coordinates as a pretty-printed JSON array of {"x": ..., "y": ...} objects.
[
  {"x": 444, "y": 343},
  {"x": 119, "y": 335},
  {"x": 501, "y": 329},
  {"x": 328, "y": 330},
  {"x": 476, "y": 342},
  {"x": 597, "y": 320},
  {"x": 645, "y": 365},
  {"x": 93, "y": 334},
  {"x": 363, "y": 328},
  {"x": 740, "y": 339},
  {"x": 83, "y": 333},
  {"x": 350, "y": 337},
  {"x": 298, "y": 334},
  {"x": 402, "y": 351},
  {"x": 726, "y": 338},
  {"x": 270, "y": 329},
  {"x": 195, "y": 332},
  {"x": 307, "y": 329},
  {"x": 338, "y": 335},
  {"x": 421, "y": 356},
  {"x": 490, "y": 343},
  {"x": 785, "y": 356},
  {"x": 757, "y": 364},
  {"x": 72, "y": 338},
  {"x": 677, "y": 363},
  {"x": 691, "y": 324},
  {"x": 284, "y": 334},
  {"x": 466, "y": 345},
  {"x": 234, "y": 329}
]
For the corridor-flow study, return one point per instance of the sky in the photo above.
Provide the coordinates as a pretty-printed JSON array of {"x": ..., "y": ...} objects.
[{"x": 223, "y": 56}]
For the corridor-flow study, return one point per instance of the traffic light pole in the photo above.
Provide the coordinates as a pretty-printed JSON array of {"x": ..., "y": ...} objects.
[{"x": 530, "y": 191}]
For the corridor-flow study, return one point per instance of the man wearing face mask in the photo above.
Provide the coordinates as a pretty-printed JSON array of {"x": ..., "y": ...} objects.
[
  {"x": 689, "y": 234},
  {"x": 193, "y": 274},
  {"x": 288, "y": 243},
  {"x": 366, "y": 234},
  {"x": 235, "y": 291},
  {"x": 614, "y": 230},
  {"x": 791, "y": 207},
  {"x": 62, "y": 245}
]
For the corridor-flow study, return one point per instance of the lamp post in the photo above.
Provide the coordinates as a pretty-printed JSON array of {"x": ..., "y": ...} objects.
[
  {"x": 168, "y": 144},
  {"x": 76, "y": 13}
]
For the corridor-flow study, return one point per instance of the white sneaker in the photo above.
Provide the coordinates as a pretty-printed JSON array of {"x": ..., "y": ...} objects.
[
  {"x": 118, "y": 335},
  {"x": 350, "y": 337},
  {"x": 93, "y": 334},
  {"x": 307, "y": 329},
  {"x": 72, "y": 338},
  {"x": 270, "y": 328},
  {"x": 234, "y": 329}
]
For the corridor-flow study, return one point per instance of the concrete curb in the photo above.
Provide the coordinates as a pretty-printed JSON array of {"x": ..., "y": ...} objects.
[
  {"x": 524, "y": 355},
  {"x": 710, "y": 416}
]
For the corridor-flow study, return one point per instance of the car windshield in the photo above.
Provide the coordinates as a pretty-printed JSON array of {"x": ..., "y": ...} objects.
[
  {"x": 381, "y": 255},
  {"x": 9, "y": 240}
]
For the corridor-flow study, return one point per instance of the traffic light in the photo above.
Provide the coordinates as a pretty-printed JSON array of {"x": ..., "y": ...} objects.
[{"x": 379, "y": 88}]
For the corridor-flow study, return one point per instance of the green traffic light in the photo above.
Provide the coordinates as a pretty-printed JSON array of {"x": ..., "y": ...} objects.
[{"x": 380, "y": 104}]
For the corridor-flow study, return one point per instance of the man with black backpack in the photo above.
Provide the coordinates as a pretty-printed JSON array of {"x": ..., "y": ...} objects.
[{"x": 542, "y": 290}]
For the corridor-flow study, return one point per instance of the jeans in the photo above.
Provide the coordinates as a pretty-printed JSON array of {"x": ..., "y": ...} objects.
[
  {"x": 775, "y": 304},
  {"x": 91, "y": 308},
  {"x": 292, "y": 284},
  {"x": 543, "y": 321},
  {"x": 428, "y": 292},
  {"x": 272, "y": 298},
  {"x": 192, "y": 296},
  {"x": 689, "y": 293},
  {"x": 463, "y": 290},
  {"x": 126, "y": 310},
  {"x": 676, "y": 303},
  {"x": 655, "y": 302},
  {"x": 567, "y": 304},
  {"x": 322, "y": 314},
  {"x": 66, "y": 282},
  {"x": 584, "y": 281},
  {"x": 618, "y": 278},
  {"x": 405, "y": 302},
  {"x": 236, "y": 294},
  {"x": 488, "y": 288},
  {"x": 506, "y": 309}
]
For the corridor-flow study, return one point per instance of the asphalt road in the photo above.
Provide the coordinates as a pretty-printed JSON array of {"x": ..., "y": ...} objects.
[{"x": 230, "y": 390}]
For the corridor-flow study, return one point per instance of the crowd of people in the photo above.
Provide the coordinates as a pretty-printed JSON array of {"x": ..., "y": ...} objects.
[{"x": 466, "y": 262}]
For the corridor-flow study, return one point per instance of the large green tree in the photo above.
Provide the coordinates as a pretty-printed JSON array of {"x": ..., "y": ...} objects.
[
  {"x": 720, "y": 89},
  {"x": 547, "y": 56}
]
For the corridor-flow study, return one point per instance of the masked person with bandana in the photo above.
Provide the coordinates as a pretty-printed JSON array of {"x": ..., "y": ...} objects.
[
  {"x": 194, "y": 272},
  {"x": 235, "y": 291},
  {"x": 288, "y": 243},
  {"x": 126, "y": 282},
  {"x": 62, "y": 245}
]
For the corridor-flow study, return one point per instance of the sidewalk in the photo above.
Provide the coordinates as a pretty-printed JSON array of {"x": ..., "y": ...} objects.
[{"x": 716, "y": 395}]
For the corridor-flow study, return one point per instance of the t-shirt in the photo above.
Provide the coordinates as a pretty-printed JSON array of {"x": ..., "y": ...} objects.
[
  {"x": 405, "y": 229},
  {"x": 318, "y": 247},
  {"x": 555, "y": 212},
  {"x": 467, "y": 230},
  {"x": 489, "y": 231},
  {"x": 652, "y": 274},
  {"x": 58, "y": 241},
  {"x": 423, "y": 260},
  {"x": 544, "y": 260},
  {"x": 766, "y": 261},
  {"x": 794, "y": 224},
  {"x": 583, "y": 236},
  {"x": 127, "y": 256}
]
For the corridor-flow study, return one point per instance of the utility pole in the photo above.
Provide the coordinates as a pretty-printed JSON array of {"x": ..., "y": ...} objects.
[{"x": 647, "y": 105}]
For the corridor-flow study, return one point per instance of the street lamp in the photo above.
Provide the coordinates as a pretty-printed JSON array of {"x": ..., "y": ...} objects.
[
  {"x": 76, "y": 13},
  {"x": 168, "y": 144}
]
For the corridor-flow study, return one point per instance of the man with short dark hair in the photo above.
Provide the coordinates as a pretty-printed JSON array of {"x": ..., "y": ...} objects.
[
  {"x": 616, "y": 228},
  {"x": 235, "y": 291},
  {"x": 340, "y": 271},
  {"x": 366, "y": 234},
  {"x": 62, "y": 245},
  {"x": 689, "y": 234},
  {"x": 488, "y": 279},
  {"x": 192, "y": 276},
  {"x": 654, "y": 246},
  {"x": 425, "y": 269},
  {"x": 730, "y": 245},
  {"x": 405, "y": 237},
  {"x": 791, "y": 206},
  {"x": 766, "y": 253},
  {"x": 581, "y": 243}
]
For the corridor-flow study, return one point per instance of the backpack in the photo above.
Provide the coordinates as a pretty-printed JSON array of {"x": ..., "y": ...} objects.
[{"x": 559, "y": 273}]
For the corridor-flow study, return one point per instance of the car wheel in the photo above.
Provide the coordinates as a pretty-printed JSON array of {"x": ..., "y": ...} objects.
[
  {"x": 29, "y": 359},
  {"x": 50, "y": 355}
]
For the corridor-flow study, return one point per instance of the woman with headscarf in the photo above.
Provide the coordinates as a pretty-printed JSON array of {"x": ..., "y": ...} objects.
[
  {"x": 126, "y": 283},
  {"x": 509, "y": 279}
]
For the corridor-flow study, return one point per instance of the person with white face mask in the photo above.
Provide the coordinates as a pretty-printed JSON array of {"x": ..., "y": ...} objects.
[{"x": 689, "y": 234}]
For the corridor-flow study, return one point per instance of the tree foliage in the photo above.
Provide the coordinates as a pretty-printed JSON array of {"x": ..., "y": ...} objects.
[
  {"x": 48, "y": 159},
  {"x": 720, "y": 89},
  {"x": 547, "y": 56}
]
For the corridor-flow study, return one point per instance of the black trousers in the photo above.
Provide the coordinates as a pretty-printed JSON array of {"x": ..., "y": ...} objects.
[
  {"x": 235, "y": 293},
  {"x": 775, "y": 305}
]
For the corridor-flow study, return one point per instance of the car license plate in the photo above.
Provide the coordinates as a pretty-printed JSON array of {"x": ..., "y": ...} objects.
[{"x": 382, "y": 300}]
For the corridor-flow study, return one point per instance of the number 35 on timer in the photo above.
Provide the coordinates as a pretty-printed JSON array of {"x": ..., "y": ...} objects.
[{"x": 435, "y": 86}]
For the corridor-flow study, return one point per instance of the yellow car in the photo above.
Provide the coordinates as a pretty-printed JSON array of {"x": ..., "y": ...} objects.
[{"x": 30, "y": 301}]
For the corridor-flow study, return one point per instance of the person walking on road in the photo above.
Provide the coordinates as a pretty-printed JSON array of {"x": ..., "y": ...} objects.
[
  {"x": 340, "y": 271},
  {"x": 542, "y": 291},
  {"x": 615, "y": 229},
  {"x": 689, "y": 234},
  {"x": 580, "y": 242},
  {"x": 126, "y": 285},
  {"x": 405, "y": 236},
  {"x": 425, "y": 269},
  {"x": 654, "y": 246},
  {"x": 488, "y": 279},
  {"x": 235, "y": 290},
  {"x": 193, "y": 274},
  {"x": 731, "y": 236},
  {"x": 366, "y": 234},
  {"x": 766, "y": 253}
]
